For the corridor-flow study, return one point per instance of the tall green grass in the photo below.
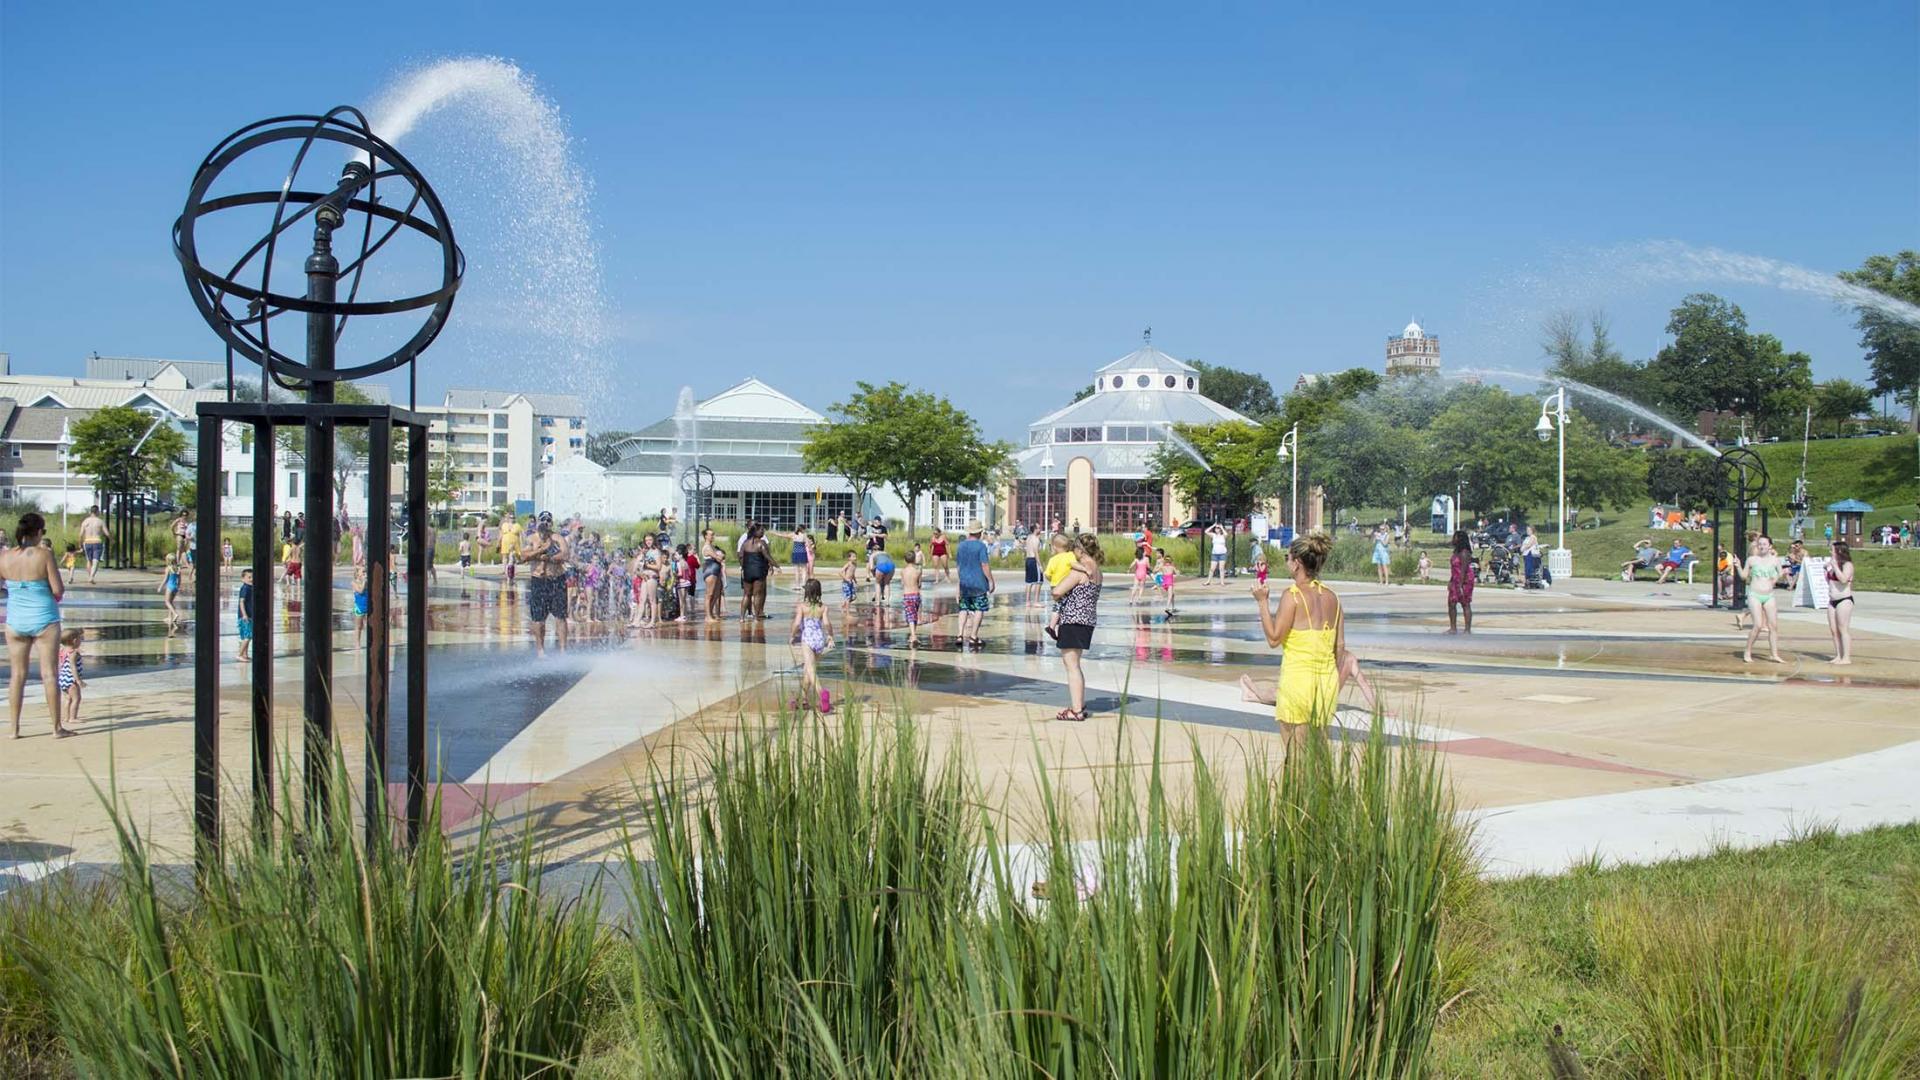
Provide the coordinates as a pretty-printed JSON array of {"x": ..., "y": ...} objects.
[
  {"x": 1295, "y": 930},
  {"x": 836, "y": 906},
  {"x": 315, "y": 956},
  {"x": 803, "y": 913},
  {"x": 1765, "y": 983}
]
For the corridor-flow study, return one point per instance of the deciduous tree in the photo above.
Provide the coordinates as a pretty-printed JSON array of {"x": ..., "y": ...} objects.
[
  {"x": 104, "y": 445},
  {"x": 1712, "y": 362},
  {"x": 911, "y": 441},
  {"x": 1892, "y": 344},
  {"x": 1840, "y": 400},
  {"x": 1690, "y": 479},
  {"x": 1245, "y": 392},
  {"x": 1235, "y": 469}
]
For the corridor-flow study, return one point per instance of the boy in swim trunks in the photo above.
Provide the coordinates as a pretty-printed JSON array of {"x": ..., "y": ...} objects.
[
  {"x": 243, "y": 608},
  {"x": 910, "y": 595},
  {"x": 849, "y": 576}
]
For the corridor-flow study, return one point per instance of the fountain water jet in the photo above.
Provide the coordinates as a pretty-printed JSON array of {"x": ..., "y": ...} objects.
[
  {"x": 686, "y": 450},
  {"x": 1577, "y": 387},
  {"x": 544, "y": 271},
  {"x": 1670, "y": 260}
]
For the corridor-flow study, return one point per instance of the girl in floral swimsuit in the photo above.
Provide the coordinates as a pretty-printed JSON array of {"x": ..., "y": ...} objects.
[{"x": 811, "y": 634}]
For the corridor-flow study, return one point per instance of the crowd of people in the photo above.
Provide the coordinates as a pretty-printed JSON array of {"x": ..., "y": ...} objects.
[{"x": 577, "y": 578}]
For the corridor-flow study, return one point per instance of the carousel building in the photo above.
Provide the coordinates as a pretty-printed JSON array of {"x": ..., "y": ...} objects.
[{"x": 1088, "y": 463}]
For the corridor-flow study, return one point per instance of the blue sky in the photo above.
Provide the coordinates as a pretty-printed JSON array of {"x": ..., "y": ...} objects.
[{"x": 992, "y": 200}]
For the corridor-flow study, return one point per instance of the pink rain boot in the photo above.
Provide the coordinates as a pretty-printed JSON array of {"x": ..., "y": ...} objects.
[{"x": 826, "y": 701}]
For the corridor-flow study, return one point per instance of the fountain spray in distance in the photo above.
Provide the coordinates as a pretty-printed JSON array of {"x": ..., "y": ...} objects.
[
  {"x": 686, "y": 454},
  {"x": 533, "y": 260},
  {"x": 1580, "y": 389},
  {"x": 1670, "y": 260}
]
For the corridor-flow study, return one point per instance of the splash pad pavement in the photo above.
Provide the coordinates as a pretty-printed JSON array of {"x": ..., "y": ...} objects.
[{"x": 1600, "y": 718}]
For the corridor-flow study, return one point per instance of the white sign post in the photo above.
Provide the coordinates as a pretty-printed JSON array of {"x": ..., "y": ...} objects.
[{"x": 1811, "y": 590}]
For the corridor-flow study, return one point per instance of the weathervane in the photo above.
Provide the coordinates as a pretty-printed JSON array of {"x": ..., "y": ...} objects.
[{"x": 1146, "y": 336}]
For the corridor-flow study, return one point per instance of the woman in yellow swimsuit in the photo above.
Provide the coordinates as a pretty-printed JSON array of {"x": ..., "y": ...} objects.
[{"x": 1308, "y": 626}]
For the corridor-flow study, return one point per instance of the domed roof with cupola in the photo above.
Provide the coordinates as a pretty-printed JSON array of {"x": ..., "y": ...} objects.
[
  {"x": 1146, "y": 368},
  {"x": 1136, "y": 401},
  {"x": 1413, "y": 332}
]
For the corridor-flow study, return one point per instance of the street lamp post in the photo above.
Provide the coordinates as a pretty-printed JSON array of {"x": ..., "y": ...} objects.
[
  {"x": 1553, "y": 415},
  {"x": 1459, "y": 492},
  {"x": 66, "y": 455},
  {"x": 1290, "y": 450},
  {"x": 1046, "y": 488}
]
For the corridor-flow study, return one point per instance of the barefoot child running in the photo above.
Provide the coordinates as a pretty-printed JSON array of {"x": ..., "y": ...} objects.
[
  {"x": 1142, "y": 570},
  {"x": 72, "y": 676},
  {"x": 812, "y": 637}
]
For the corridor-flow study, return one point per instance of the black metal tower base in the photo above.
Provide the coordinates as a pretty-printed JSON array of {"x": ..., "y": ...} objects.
[
  {"x": 317, "y": 667},
  {"x": 240, "y": 304}
]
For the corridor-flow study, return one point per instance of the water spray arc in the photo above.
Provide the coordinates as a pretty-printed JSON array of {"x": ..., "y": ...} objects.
[
  {"x": 536, "y": 270},
  {"x": 1594, "y": 392}
]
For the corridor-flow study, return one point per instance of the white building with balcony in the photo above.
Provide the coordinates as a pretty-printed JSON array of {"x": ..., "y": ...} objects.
[{"x": 491, "y": 445}]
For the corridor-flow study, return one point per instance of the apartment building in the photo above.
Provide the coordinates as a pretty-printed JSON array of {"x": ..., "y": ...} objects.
[{"x": 490, "y": 446}]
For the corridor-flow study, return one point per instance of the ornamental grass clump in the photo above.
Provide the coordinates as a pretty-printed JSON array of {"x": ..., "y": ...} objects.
[
  {"x": 804, "y": 911},
  {"x": 1774, "y": 983},
  {"x": 1292, "y": 930},
  {"x": 311, "y": 955}
]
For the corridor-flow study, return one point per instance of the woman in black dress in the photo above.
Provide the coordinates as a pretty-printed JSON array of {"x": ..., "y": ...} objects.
[{"x": 754, "y": 567}]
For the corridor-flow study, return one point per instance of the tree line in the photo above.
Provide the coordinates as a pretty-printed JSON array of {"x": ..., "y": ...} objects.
[{"x": 1714, "y": 363}]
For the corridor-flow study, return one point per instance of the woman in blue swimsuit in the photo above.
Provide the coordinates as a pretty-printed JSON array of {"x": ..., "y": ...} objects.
[{"x": 34, "y": 589}]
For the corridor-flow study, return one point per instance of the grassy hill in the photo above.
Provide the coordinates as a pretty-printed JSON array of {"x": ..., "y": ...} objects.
[{"x": 1878, "y": 471}]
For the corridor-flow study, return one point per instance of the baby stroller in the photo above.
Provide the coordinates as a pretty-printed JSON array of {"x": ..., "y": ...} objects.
[
  {"x": 1503, "y": 565},
  {"x": 1536, "y": 573}
]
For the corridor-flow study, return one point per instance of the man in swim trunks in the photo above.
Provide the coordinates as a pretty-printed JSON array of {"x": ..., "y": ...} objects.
[
  {"x": 545, "y": 553},
  {"x": 976, "y": 583},
  {"x": 93, "y": 541}
]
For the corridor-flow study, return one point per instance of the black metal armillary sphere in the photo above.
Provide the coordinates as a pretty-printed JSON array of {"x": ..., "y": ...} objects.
[{"x": 230, "y": 246}]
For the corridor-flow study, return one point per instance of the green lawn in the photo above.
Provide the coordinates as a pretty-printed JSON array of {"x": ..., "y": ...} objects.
[
  {"x": 1599, "y": 553},
  {"x": 1556, "y": 954},
  {"x": 1879, "y": 471}
]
